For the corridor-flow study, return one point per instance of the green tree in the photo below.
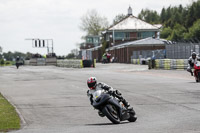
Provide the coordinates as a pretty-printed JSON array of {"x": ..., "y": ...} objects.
[
  {"x": 118, "y": 18},
  {"x": 8, "y": 56},
  {"x": 75, "y": 52},
  {"x": 28, "y": 56},
  {"x": 70, "y": 56},
  {"x": 165, "y": 33},
  {"x": 168, "y": 13},
  {"x": 163, "y": 16},
  {"x": 149, "y": 16},
  {"x": 92, "y": 23},
  {"x": 179, "y": 22},
  {"x": 1, "y": 49},
  {"x": 2, "y": 61},
  {"x": 190, "y": 16},
  {"x": 178, "y": 32},
  {"x": 194, "y": 31},
  {"x": 104, "y": 46}
]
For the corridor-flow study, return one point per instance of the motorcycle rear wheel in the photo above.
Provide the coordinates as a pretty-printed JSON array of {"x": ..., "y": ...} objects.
[{"x": 112, "y": 115}]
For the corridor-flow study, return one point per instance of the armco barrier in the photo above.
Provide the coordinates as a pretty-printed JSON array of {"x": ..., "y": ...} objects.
[
  {"x": 51, "y": 61},
  {"x": 59, "y": 63},
  {"x": 33, "y": 62},
  {"x": 76, "y": 63},
  {"x": 135, "y": 61},
  {"x": 70, "y": 63},
  {"x": 27, "y": 62},
  {"x": 41, "y": 61},
  {"x": 168, "y": 64}
]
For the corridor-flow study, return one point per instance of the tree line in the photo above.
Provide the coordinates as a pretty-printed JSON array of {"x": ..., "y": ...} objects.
[
  {"x": 11, "y": 56},
  {"x": 179, "y": 23}
]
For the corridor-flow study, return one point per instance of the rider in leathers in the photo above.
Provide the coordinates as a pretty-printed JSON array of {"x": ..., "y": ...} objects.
[
  {"x": 94, "y": 86},
  {"x": 191, "y": 61}
]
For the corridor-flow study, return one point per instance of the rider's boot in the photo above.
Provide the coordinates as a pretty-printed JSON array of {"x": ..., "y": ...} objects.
[
  {"x": 191, "y": 73},
  {"x": 101, "y": 114}
]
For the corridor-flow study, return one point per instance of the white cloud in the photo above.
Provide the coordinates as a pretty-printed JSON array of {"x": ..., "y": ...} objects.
[{"x": 60, "y": 20}]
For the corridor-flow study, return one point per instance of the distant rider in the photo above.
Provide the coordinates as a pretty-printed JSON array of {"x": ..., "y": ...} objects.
[
  {"x": 94, "y": 86},
  {"x": 191, "y": 61},
  {"x": 17, "y": 62}
]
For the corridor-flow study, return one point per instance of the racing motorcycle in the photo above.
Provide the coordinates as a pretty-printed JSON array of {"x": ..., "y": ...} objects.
[
  {"x": 197, "y": 71},
  {"x": 112, "y": 107}
]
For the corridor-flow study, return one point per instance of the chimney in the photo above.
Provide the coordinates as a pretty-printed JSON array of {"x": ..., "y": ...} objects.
[{"x": 130, "y": 11}]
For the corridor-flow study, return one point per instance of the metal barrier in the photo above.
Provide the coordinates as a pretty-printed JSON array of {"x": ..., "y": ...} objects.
[
  {"x": 168, "y": 64},
  {"x": 70, "y": 63},
  {"x": 181, "y": 50},
  {"x": 41, "y": 61},
  {"x": 135, "y": 61}
]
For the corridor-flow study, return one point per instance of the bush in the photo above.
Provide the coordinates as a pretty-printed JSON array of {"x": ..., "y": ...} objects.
[
  {"x": 7, "y": 63},
  {"x": 2, "y": 62}
]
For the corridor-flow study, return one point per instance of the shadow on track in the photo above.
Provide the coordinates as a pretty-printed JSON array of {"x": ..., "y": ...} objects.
[
  {"x": 103, "y": 124},
  {"x": 194, "y": 82}
]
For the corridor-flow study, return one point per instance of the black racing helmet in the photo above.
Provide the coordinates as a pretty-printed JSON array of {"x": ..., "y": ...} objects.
[{"x": 194, "y": 55}]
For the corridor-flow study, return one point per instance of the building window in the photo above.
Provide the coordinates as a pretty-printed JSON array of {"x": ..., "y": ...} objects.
[
  {"x": 89, "y": 40},
  {"x": 147, "y": 34},
  {"x": 119, "y": 35},
  {"x": 139, "y": 35},
  {"x": 96, "y": 40},
  {"x": 127, "y": 35}
]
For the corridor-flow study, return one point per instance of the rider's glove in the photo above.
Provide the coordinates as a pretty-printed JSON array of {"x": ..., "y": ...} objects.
[
  {"x": 105, "y": 87},
  {"x": 190, "y": 62},
  {"x": 111, "y": 92},
  {"x": 118, "y": 92},
  {"x": 88, "y": 94}
]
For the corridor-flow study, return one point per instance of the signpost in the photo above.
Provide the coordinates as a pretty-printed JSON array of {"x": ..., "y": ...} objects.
[
  {"x": 43, "y": 43},
  {"x": 50, "y": 59}
]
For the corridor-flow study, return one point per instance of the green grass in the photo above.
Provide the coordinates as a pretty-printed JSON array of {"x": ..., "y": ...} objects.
[
  {"x": 8, "y": 63},
  {"x": 9, "y": 119}
]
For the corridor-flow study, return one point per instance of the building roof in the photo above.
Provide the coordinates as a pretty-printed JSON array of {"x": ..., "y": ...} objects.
[
  {"x": 143, "y": 42},
  {"x": 158, "y": 25},
  {"x": 133, "y": 23}
]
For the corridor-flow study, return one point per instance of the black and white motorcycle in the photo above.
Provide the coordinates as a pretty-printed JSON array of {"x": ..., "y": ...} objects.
[{"x": 112, "y": 107}]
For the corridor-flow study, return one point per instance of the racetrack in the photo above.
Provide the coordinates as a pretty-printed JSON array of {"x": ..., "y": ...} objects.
[{"x": 53, "y": 99}]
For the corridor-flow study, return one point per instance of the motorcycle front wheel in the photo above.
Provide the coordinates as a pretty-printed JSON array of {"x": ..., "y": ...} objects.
[
  {"x": 111, "y": 113},
  {"x": 133, "y": 116}
]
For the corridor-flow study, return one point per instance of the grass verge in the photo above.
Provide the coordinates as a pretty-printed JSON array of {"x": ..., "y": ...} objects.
[{"x": 9, "y": 119}]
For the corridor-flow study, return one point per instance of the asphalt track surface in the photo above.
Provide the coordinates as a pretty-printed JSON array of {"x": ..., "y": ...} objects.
[{"x": 53, "y": 99}]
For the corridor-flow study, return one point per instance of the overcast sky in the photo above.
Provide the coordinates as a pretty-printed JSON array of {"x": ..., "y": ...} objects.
[{"x": 60, "y": 19}]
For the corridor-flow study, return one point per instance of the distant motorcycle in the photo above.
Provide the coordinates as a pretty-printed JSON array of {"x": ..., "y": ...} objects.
[
  {"x": 112, "y": 107},
  {"x": 197, "y": 71},
  {"x": 17, "y": 65},
  {"x": 17, "y": 62}
]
